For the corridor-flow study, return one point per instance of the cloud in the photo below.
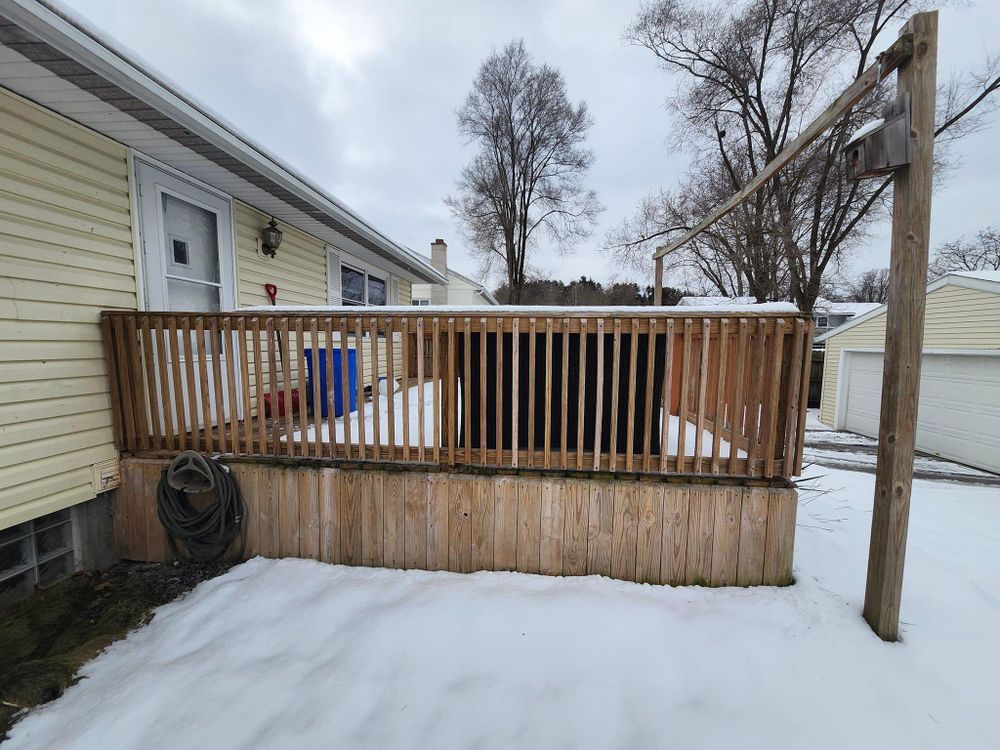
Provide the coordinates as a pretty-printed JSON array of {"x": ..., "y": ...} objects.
[{"x": 360, "y": 97}]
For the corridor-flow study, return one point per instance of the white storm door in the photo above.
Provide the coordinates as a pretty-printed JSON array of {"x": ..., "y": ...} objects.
[{"x": 188, "y": 265}]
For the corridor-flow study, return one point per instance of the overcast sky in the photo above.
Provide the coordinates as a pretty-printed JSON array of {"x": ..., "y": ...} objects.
[{"x": 360, "y": 97}]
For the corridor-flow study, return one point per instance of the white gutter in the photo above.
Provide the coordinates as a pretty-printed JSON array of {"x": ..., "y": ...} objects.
[{"x": 74, "y": 39}]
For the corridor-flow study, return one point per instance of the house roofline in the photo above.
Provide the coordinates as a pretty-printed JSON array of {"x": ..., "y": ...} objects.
[
  {"x": 78, "y": 40},
  {"x": 949, "y": 279}
]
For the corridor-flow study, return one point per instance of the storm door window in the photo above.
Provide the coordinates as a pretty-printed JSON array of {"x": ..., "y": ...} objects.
[{"x": 192, "y": 236}]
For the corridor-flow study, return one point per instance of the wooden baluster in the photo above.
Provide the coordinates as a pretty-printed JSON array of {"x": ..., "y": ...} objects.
[
  {"x": 114, "y": 390},
  {"x": 272, "y": 384},
  {"x": 331, "y": 394},
  {"x": 795, "y": 378},
  {"x": 452, "y": 394},
  {"x": 345, "y": 385},
  {"x": 564, "y": 398},
  {"x": 317, "y": 403},
  {"x": 483, "y": 442},
  {"x": 191, "y": 384},
  {"x": 499, "y": 393},
  {"x": 152, "y": 395},
  {"x": 139, "y": 400},
  {"x": 467, "y": 389},
  {"x": 685, "y": 387},
  {"x": 803, "y": 396},
  {"x": 706, "y": 343},
  {"x": 258, "y": 376},
  {"x": 515, "y": 364},
  {"x": 667, "y": 395},
  {"x": 203, "y": 380},
  {"x": 436, "y": 379},
  {"x": 421, "y": 437},
  {"x": 376, "y": 391},
  {"x": 720, "y": 389},
  {"x": 599, "y": 399},
  {"x": 287, "y": 413},
  {"x": 390, "y": 387},
  {"x": 738, "y": 405},
  {"x": 547, "y": 397},
  {"x": 216, "y": 364},
  {"x": 359, "y": 352},
  {"x": 231, "y": 366},
  {"x": 633, "y": 361},
  {"x": 581, "y": 395},
  {"x": 173, "y": 352},
  {"x": 405, "y": 347},
  {"x": 616, "y": 356},
  {"x": 303, "y": 386},
  {"x": 532, "y": 348},
  {"x": 647, "y": 420},
  {"x": 241, "y": 332},
  {"x": 773, "y": 408},
  {"x": 756, "y": 377},
  {"x": 121, "y": 374},
  {"x": 169, "y": 426}
]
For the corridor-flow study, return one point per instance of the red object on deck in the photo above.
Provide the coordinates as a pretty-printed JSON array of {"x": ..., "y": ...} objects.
[{"x": 294, "y": 406}]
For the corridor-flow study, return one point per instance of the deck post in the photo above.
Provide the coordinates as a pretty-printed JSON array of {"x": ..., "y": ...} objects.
[
  {"x": 658, "y": 283},
  {"x": 903, "y": 336}
]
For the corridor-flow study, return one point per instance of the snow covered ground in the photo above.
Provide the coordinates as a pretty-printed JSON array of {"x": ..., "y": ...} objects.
[
  {"x": 301, "y": 654},
  {"x": 413, "y": 420}
]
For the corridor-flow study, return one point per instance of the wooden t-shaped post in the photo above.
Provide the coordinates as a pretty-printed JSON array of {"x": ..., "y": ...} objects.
[
  {"x": 658, "y": 283},
  {"x": 904, "y": 333}
]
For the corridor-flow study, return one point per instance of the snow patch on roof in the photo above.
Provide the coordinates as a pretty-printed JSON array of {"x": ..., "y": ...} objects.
[
  {"x": 715, "y": 301},
  {"x": 985, "y": 275}
]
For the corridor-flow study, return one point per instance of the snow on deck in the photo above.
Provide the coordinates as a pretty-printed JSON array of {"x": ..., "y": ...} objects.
[
  {"x": 711, "y": 304},
  {"x": 292, "y": 653},
  {"x": 399, "y": 416}
]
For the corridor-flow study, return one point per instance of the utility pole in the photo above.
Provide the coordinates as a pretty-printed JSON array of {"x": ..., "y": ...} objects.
[{"x": 904, "y": 333}]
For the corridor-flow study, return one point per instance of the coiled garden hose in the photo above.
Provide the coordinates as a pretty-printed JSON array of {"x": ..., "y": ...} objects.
[{"x": 206, "y": 534}]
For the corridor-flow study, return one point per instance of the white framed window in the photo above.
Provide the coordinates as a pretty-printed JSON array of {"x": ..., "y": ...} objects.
[
  {"x": 359, "y": 286},
  {"x": 420, "y": 302},
  {"x": 822, "y": 322}
]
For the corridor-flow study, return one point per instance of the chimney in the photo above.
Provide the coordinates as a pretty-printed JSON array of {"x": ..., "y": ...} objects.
[{"x": 439, "y": 259}]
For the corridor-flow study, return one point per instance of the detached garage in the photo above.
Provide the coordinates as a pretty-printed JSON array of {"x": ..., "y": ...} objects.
[{"x": 959, "y": 414}]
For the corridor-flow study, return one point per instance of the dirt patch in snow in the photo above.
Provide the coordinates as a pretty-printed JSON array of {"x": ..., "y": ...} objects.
[{"x": 45, "y": 638}]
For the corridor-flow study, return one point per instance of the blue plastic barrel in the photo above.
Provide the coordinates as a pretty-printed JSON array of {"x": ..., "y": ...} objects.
[{"x": 338, "y": 394}]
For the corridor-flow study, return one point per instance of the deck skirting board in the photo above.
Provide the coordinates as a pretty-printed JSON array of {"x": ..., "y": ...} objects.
[{"x": 646, "y": 531}]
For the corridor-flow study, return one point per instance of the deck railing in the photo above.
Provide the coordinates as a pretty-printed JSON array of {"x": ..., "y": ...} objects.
[{"x": 636, "y": 391}]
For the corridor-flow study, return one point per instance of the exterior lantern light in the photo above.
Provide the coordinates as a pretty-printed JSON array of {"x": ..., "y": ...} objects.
[{"x": 270, "y": 238}]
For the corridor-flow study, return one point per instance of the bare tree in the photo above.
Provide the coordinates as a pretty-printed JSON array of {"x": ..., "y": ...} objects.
[
  {"x": 752, "y": 75},
  {"x": 980, "y": 254},
  {"x": 871, "y": 286},
  {"x": 528, "y": 170}
]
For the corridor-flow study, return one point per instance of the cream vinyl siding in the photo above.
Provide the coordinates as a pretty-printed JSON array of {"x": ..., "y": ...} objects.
[
  {"x": 65, "y": 254},
  {"x": 299, "y": 272},
  {"x": 955, "y": 318}
]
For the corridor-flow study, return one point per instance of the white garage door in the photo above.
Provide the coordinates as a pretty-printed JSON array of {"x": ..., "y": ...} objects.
[{"x": 959, "y": 415}]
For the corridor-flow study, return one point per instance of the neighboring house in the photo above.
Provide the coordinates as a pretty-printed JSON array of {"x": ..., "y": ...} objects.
[
  {"x": 959, "y": 413},
  {"x": 829, "y": 315},
  {"x": 116, "y": 191},
  {"x": 460, "y": 290}
]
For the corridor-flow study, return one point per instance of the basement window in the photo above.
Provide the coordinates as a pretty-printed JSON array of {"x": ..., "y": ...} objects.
[{"x": 35, "y": 553}]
